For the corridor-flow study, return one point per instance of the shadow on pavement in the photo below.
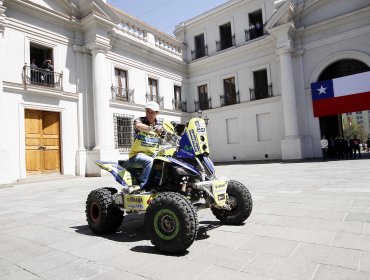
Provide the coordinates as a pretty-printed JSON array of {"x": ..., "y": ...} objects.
[
  {"x": 133, "y": 230},
  {"x": 152, "y": 250},
  {"x": 205, "y": 227}
]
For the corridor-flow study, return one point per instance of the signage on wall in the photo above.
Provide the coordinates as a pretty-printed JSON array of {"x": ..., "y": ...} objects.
[{"x": 341, "y": 95}]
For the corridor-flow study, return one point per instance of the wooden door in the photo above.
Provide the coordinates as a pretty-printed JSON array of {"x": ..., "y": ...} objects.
[{"x": 42, "y": 142}]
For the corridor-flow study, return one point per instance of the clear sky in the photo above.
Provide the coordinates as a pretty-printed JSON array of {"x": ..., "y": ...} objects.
[{"x": 165, "y": 14}]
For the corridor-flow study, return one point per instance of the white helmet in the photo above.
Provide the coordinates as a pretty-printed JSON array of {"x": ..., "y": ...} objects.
[{"x": 152, "y": 106}]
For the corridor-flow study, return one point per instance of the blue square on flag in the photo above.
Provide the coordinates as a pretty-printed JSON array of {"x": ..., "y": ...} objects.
[{"x": 323, "y": 89}]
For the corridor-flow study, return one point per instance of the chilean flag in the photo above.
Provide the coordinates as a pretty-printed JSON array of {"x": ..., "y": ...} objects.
[{"x": 341, "y": 95}]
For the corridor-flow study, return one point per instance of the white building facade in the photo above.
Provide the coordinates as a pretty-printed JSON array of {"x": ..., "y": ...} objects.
[
  {"x": 254, "y": 83},
  {"x": 247, "y": 64},
  {"x": 106, "y": 66}
]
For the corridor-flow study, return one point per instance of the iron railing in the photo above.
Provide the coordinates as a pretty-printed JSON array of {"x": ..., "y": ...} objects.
[
  {"x": 157, "y": 98},
  {"x": 225, "y": 44},
  {"x": 254, "y": 32},
  {"x": 198, "y": 53},
  {"x": 122, "y": 94},
  {"x": 230, "y": 99},
  {"x": 261, "y": 94},
  {"x": 42, "y": 77},
  {"x": 179, "y": 105},
  {"x": 203, "y": 105}
]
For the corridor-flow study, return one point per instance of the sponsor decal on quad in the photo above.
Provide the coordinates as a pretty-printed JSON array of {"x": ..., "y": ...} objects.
[
  {"x": 194, "y": 140},
  {"x": 135, "y": 199},
  {"x": 135, "y": 206}
]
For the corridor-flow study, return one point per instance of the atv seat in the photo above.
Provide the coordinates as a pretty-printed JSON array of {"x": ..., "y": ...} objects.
[{"x": 136, "y": 172}]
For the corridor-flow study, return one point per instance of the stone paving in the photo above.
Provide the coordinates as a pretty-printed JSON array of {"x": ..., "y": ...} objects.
[{"x": 310, "y": 220}]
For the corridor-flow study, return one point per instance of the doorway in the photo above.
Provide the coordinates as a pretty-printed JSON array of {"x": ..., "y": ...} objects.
[
  {"x": 42, "y": 138},
  {"x": 331, "y": 126}
]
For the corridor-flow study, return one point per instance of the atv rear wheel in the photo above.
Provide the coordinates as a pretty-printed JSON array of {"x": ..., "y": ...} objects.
[
  {"x": 240, "y": 201},
  {"x": 171, "y": 222},
  {"x": 101, "y": 215}
]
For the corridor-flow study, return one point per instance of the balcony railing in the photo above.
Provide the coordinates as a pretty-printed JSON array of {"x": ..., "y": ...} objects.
[
  {"x": 203, "y": 105},
  {"x": 42, "y": 77},
  {"x": 179, "y": 105},
  {"x": 122, "y": 94},
  {"x": 230, "y": 99},
  {"x": 225, "y": 44},
  {"x": 156, "y": 98},
  {"x": 262, "y": 93},
  {"x": 254, "y": 32},
  {"x": 198, "y": 53}
]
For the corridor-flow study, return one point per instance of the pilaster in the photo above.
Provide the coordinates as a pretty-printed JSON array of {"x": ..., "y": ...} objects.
[
  {"x": 291, "y": 145},
  {"x": 103, "y": 120}
]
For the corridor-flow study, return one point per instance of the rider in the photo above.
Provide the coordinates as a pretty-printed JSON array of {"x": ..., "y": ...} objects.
[{"x": 147, "y": 134}]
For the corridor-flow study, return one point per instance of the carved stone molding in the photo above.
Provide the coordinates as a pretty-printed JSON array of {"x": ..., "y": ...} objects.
[{"x": 2, "y": 17}]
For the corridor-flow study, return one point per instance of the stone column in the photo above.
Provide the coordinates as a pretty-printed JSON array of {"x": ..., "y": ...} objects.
[
  {"x": 288, "y": 93},
  {"x": 103, "y": 119},
  {"x": 291, "y": 144},
  {"x": 81, "y": 90}
]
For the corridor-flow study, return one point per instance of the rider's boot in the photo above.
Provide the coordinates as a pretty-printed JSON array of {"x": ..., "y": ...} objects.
[{"x": 132, "y": 189}]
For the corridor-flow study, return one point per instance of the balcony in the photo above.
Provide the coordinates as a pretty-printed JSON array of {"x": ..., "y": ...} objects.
[
  {"x": 156, "y": 98},
  {"x": 198, "y": 53},
  {"x": 203, "y": 105},
  {"x": 261, "y": 93},
  {"x": 42, "y": 77},
  {"x": 121, "y": 94},
  {"x": 225, "y": 44},
  {"x": 230, "y": 99},
  {"x": 254, "y": 32},
  {"x": 179, "y": 105}
]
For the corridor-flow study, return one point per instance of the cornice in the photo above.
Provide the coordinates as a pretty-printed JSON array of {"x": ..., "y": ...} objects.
[
  {"x": 163, "y": 60},
  {"x": 3, "y": 23},
  {"x": 41, "y": 12},
  {"x": 329, "y": 23},
  {"x": 285, "y": 12},
  {"x": 34, "y": 90},
  {"x": 128, "y": 19},
  {"x": 36, "y": 32},
  {"x": 99, "y": 44},
  {"x": 121, "y": 39},
  {"x": 94, "y": 20}
]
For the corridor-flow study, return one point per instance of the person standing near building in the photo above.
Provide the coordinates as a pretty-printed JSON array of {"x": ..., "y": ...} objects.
[
  {"x": 356, "y": 146},
  {"x": 324, "y": 147},
  {"x": 368, "y": 145},
  {"x": 147, "y": 134},
  {"x": 48, "y": 71},
  {"x": 34, "y": 72}
]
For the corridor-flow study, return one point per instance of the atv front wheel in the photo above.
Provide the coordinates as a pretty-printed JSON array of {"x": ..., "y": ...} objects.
[
  {"x": 171, "y": 222},
  {"x": 101, "y": 215},
  {"x": 240, "y": 201}
]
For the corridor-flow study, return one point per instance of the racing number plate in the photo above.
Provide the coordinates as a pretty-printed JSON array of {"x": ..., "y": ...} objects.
[{"x": 219, "y": 191}]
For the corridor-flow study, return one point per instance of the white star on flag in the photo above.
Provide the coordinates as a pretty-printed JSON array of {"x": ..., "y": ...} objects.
[{"x": 322, "y": 90}]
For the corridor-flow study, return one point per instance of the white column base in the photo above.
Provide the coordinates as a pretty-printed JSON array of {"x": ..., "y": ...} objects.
[
  {"x": 104, "y": 154},
  {"x": 81, "y": 162},
  {"x": 292, "y": 148}
]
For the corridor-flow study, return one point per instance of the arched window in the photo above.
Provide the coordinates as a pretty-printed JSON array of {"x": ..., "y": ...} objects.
[{"x": 341, "y": 68}]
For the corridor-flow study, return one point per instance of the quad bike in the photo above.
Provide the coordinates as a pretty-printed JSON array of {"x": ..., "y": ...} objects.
[{"x": 182, "y": 181}]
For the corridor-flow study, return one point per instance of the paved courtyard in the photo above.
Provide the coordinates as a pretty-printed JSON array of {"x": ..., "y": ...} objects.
[{"x": 310, "y": 220}]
